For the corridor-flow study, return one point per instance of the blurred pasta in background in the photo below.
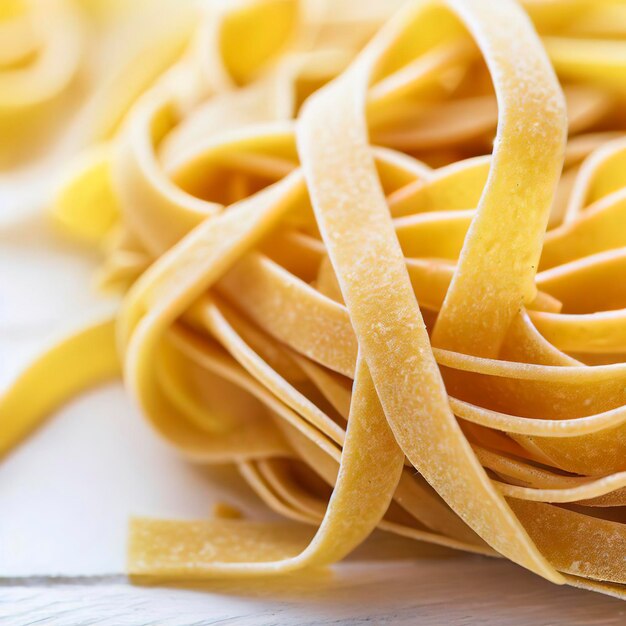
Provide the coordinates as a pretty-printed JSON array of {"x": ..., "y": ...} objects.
[{"x": 372, "y": 253}]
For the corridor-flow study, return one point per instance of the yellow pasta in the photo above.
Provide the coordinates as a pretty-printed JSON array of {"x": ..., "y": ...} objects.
[{"x": 371, "y": 255}]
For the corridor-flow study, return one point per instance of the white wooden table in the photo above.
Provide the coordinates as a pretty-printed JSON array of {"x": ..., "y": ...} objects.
[
  {"x": 453, "y": 591},
  {"x": 66, "y": 495}
]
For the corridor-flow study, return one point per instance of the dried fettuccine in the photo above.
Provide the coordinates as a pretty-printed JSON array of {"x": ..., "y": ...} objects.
[{"x": 375, "y": 259}]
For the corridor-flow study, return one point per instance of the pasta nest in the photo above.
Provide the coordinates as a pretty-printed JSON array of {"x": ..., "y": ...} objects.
[{"x": 375, "y": 263}]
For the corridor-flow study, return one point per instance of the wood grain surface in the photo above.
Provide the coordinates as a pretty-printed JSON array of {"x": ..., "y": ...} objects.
[{"x": 450, "y": 591}]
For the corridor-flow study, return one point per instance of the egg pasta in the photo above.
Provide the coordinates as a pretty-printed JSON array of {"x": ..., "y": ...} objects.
[{"x": 375, "y": 259}]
